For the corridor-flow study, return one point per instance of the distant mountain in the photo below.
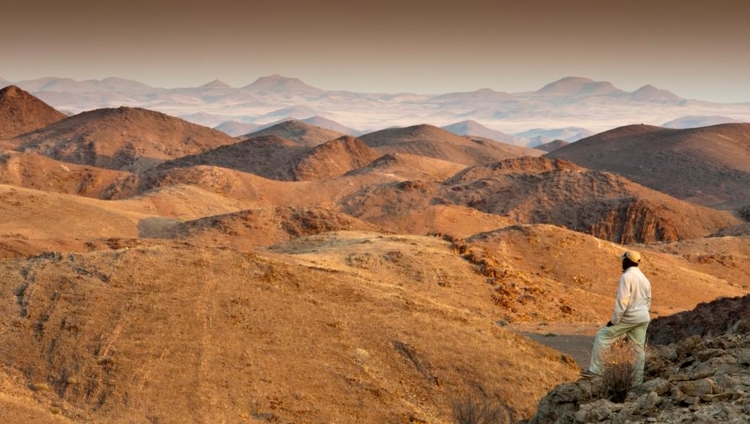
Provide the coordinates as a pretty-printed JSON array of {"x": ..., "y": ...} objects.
[
  {"x": 699, "y": 121},
  {"x": 709, "y": 166},
  {"x": 129, "y": 139},
  {"x": 552, "y": 145},
  {"x": 539, "y": 136},
  {"x": 300, "y": 132},
  {"x": 20, "y": 112},
  {"x": 434, "y": 142},
  {"x": 293, "y": 112},
  {"x": 571, "y": 101},
  {"x": 319, "y": 121},
  {"x": 481, "y": 95},
  {"x": 279, "y": 84},
  {"x": 202, "y": 118},
  {"x": 578, "y": 86},
  {"x": 649, "y": 93},
  {"x": 68, "y": 85},
  {"x": 236, "y": 129},
  {"x": 475, "y": 128}
]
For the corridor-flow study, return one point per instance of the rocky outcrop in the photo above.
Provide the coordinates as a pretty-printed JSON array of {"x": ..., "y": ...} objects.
[
  {"x": 696, "y": 379},
  {"x": 699, "y": 380}
]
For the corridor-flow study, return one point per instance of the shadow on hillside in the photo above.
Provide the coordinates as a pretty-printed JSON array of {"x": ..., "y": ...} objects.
[{"x": 157, "y": 227}]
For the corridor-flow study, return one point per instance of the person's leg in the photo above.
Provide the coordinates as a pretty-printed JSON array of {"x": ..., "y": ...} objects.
[
  {"x": 637, "y": 335},
  {"x": 602, "y": 342}
]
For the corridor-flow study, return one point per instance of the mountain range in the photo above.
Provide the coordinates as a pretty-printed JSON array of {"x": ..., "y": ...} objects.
[{"x": 593, "y": 106}]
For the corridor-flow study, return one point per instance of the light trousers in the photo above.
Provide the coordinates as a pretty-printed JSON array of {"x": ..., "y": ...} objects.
[{"x": 608, "y": 335}]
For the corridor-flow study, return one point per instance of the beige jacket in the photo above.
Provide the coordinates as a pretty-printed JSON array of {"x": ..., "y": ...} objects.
[{"x": 633, "y": 298}]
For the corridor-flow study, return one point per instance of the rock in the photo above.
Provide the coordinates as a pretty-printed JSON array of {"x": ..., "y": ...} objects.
[
  {"x": 659, "y": 386},
  {"x": 699, "y": 388},
  {"x": 744, "y": 357}
]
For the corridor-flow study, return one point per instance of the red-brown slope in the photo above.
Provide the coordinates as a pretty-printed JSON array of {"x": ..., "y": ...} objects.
[
  {"x": 434, "y": 142},
  {"x": 31, "y": 170},
  {"x": 709, "y": 166},
  {"x": 300, "y": 132},
  {"x": 20, "y": 112},
  {"x": 333, "y": 159},
  {"x": 129, "y": 139},
  {"x": 538, "y": 190},
  {"x": 280, "y": 159}
]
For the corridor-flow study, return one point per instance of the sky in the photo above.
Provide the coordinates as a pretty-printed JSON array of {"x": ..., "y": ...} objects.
[{"x": 696, "y": 49}]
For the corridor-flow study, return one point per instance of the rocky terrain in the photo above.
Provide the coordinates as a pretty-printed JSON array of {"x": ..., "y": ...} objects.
[
  {"x": 709, "y": 166},
  {"x": 292, "y": 278},
  {"x": 703, "y": 377}
]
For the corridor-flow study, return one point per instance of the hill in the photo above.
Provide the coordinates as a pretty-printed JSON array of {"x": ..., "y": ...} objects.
[
  {"x": 298, "y": 131},
  {"x": 434, "y": 142},
  {"x": 127, "y": 139},
  {"x": 538, "y": 190},
  {"x": 20, "y": 112},
  {"x": 698, "y": 121},
  {"x": 30, "y": 170},
  {"x": 709, "y": 166},
  {"x": 114, "y": 333},
  {"x": 474, "y": 128},
  {"x": 285, "y": 160},
  {"x": 552, "y": 145},
  {"x": 235, "y": 129},
  {"x": 577, "y": 86}
]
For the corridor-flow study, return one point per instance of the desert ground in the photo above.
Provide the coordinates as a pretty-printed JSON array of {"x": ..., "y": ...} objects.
[{"x": 157, "y": 271}]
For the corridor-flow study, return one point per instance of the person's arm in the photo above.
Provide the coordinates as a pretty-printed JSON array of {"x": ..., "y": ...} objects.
[{"x": 622, "y": 301}]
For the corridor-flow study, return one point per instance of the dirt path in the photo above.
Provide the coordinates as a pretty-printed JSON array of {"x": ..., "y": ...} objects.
[{"x": 575, "y": 340}]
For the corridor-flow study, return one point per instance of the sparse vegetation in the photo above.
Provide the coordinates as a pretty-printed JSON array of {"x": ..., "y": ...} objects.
[
  {"x": 619, "y": 370},
  {"x": 472, "y": 410}
]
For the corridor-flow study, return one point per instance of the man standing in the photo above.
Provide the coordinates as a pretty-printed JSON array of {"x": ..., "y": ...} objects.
[{"x": 631, "y": 317}]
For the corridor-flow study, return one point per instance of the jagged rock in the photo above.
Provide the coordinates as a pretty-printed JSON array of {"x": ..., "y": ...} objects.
[{"x": 697, "y": 380}]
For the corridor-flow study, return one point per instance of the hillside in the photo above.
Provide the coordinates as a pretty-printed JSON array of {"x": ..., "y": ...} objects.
[
  {"x": 709, "y": 166},
  {"x": 30, "y": 170},
  {"x": 20, "y": 112},
  {"x": 114, "y": 333},
  {"x": 298, "y": 131},
  {"x": 538, "y": 190},
  {"x": 126, "y": 139},
  {"x": 430, "y": 141}
]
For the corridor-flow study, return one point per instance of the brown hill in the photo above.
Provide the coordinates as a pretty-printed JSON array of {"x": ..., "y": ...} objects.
[
  {"x": 434, "y": 142},
  {"x": 409, "y": 167},
  {"x": 31, "y": 170},
  {"x": 709, "y": 166},
  {"x": 333, "y": 159},
  {"x": 128, "y": 139},
  {"x": 304, "y": 134},
  {"x": 20, "y": 112},
  {"x": 285, "y": 160},
  {"x": 552, "y": 145},
  {"x": 538, "y": 190},
  {"x": 358, "y": 319},
  {"x": 251, "y": 228}
]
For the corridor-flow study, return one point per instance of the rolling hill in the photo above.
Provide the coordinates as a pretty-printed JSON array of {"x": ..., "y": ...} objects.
[
  {"x": 709, "y": 166},
  {"x": 127, "y": 139},
  {"x": 20, "y": 112}
]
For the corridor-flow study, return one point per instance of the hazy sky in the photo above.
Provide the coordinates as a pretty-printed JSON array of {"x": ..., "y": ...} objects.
[{"x": 697, "y": 49}]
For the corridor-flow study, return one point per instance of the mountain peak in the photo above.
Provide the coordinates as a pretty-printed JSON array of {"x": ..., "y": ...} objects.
[
  {"x": 20, "y": 112},
  {"x": 650, "y": 93},
  {"x": 571, "y": 86},
  {"x": 216, "y": 84},
  {"x": 279, "y": 83}
]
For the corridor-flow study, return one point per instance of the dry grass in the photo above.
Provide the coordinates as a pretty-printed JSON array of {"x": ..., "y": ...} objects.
[
  {"x": 619, "y": 370},
  {"x": 481, "y": 411}
]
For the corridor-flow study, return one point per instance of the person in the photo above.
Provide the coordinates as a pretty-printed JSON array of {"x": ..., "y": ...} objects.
[{"x": 630, "y": 318}]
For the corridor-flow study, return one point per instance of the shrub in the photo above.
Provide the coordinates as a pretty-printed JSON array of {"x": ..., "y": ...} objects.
[
  {"x": 619, "y": 370},
  {"x": 474, "y": 411}
]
